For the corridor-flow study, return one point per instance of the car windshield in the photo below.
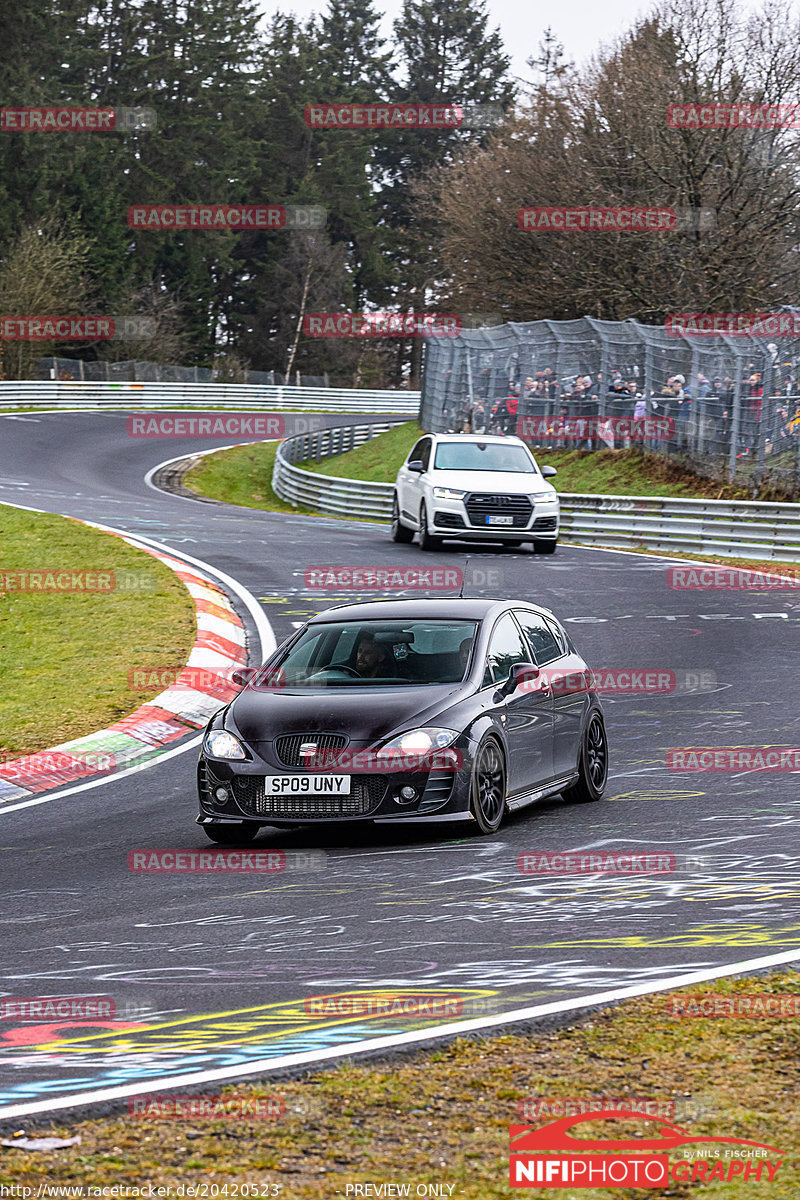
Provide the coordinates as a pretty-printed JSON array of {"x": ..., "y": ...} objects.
[
  {"x": 483, "y": 456},
  {"x": 374, "y": 654}
]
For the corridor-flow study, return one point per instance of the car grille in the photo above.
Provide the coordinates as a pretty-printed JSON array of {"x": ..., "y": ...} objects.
[
  {"x": 288, "y": 746},
  {"x": 448, "y": 520},
  {"x": 366, "y": 794},
  {"x": 481, "y": 505},
  {"x": 544, "y": 523}
]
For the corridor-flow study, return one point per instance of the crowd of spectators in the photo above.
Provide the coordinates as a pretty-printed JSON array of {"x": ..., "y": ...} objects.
[{"x": 772, "y": 421}]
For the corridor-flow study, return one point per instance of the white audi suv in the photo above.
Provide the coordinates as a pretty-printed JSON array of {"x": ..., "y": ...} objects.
[{"x": 474, "y": 487}]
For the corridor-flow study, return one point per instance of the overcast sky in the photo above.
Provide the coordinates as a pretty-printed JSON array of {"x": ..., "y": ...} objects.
[{"x": 580, "y": 25}]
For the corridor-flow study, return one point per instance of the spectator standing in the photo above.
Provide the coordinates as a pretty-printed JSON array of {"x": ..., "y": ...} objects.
[{"x": 512, "y": 408}]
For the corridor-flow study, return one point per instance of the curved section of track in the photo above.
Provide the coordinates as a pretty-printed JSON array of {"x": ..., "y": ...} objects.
[{"x": 217, "y": 972}]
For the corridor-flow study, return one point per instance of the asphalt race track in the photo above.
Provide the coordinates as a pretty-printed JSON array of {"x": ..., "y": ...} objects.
[{"x": 212, "y": 971}]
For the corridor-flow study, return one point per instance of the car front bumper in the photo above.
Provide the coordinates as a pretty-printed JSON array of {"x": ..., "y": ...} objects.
[
  {"x": 374, "y": 795},
  {"x": 449, "y": 518}
]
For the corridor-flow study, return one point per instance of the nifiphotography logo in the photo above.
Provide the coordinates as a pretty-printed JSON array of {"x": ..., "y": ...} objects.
[{"x": 550, "y": 1156}]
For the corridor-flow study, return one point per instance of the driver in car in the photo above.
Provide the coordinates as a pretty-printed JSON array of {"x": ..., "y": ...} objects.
[{"x": 372, "y": 658}]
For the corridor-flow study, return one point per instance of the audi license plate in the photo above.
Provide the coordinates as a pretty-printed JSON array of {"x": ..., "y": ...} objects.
[
  {"x": 311, "y": 784},
  {"x": 496, "y": 519}
]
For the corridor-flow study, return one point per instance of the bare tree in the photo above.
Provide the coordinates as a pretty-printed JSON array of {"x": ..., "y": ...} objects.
[
  {"x": 163, "y": 339},
  {"x": 42, "y": 274},
  {"x": 602, "y": 139}
]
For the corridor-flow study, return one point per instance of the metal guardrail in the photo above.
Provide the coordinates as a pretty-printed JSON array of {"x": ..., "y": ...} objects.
[
  {"x": 59, "y": 393},
  {"x": 341, "y": 497},
  {"x": 727, "y": 528}
]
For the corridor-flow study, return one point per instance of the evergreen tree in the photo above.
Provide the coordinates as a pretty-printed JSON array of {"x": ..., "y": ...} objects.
[{"x": 450, "y": 56}]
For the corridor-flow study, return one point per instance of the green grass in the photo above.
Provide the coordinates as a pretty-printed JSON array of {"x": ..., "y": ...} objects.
[
  {"x": 443, "y": 1115},
  {"x": 631, "y": 473},
  {"x": 65, "y": 657},
  {"x": 377, "y": 460},
  {"x": 242, "y": 475},
  {"x": 618, "y": 472}
]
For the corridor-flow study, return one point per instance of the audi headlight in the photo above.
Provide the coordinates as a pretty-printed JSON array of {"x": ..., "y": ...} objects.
[
  {"x": 419, "y": 741},
  {"x": 221, "y": 744},
  {"x": 541, "y": 495},
  {"x": 448, "y": 493}
]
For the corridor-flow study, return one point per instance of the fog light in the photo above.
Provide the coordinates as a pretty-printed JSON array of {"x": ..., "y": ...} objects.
[
  {"x": 221, "y": 795},
  {"x": 408, "y": 793}
]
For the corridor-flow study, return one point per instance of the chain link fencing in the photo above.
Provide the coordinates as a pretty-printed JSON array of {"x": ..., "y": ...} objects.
[
  {"x": 726, "y": 407},
  {"x": 68, "y": 369}
]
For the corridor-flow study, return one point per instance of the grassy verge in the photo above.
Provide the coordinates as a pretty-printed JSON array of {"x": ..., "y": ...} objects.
[
  {"x": 443, "y": 1116},
  {"x": 377, "y": 460},
  {"x": 65, "y": 656},
  {"x": 242, "y": 475},
  {"x": 632, "y": 473}
]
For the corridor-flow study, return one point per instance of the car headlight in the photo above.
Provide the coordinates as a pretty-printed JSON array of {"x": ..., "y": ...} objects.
[
  {"x": 222, "y": 744},
  {"x": 448, "y": 493},
  {"x": 419, "y": 741},
  {"x": 541, "y": 495}
]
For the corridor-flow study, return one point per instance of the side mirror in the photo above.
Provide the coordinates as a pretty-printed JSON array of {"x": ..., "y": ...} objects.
[
  {"x": 243, "y": 676},
  {"x": 523, "y": 672},
  {"x": 417, "y": 466},
  {"x": 549, "y": 472}
]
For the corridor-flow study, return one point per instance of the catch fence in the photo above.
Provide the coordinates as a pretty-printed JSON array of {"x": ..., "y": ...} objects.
[{"x": 728, "y": 407}]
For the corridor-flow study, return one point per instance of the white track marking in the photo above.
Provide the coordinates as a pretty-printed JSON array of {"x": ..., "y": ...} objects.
[{"x": 391, "y": 1042}]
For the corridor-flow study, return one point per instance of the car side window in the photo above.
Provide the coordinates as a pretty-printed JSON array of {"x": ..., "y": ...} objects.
[
  {"x": 425, "y": 452},
  {"x": 506, "y": 647},
  {"x": 560, "y": 635},
  {"x": 540, "y": 637},
  {"x": 416, "y": 452}
]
